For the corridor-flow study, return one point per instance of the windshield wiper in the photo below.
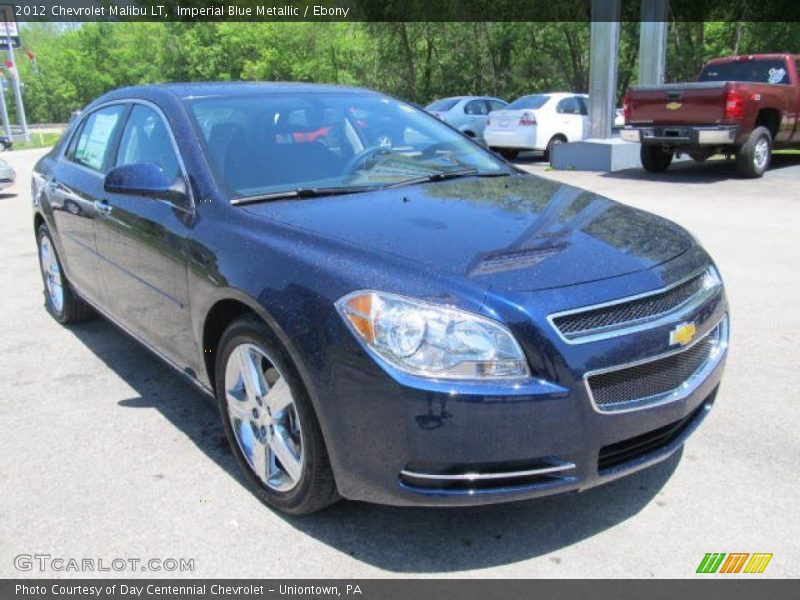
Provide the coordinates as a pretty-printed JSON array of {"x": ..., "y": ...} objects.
[
  {"x": 442, "y": 176},
  {"x": 298, "y": 193}
]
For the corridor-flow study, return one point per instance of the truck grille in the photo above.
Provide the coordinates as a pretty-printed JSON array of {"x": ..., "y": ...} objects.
[
  {"x": 626, "y": 313},
  {"x": 653, "y": 381}
]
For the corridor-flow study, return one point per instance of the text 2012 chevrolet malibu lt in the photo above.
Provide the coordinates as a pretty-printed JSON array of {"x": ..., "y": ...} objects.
[{"x": 383, "y": 310}]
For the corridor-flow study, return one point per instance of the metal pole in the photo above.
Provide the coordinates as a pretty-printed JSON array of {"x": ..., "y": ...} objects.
[
  {"x": 17, "y": 91},
  {"x": 603, "y": 67},
  {"x": 4, "y": 111},
  {"x": 652, "y": 42}
]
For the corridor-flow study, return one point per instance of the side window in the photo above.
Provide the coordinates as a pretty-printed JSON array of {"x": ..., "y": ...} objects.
[
  {"x": 91, "y": 145},
  {"x": 146, "y": 139},
  {"x": 475, "y": 107},
  {"x": 496, "y": 105}
]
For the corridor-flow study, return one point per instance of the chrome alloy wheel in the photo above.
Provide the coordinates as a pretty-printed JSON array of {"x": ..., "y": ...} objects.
[
  {"x": 51, "y": 271},
  {"x": 761, "y": 154},
  {"x": 264, "y": 417}
]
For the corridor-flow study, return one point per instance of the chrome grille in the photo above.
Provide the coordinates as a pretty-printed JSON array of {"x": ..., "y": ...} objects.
[
  {"x": 651, "y": 381},
  {"x": 576, "y": 324}
]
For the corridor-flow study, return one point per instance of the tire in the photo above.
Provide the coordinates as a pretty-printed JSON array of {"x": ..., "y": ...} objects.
[
  {"x": 249, "y": 339},
  {"x": 754, "y": 157},
  {"x": 508, "y": 153},
  {"x": 655, "y": 159},
  {"x": 554, "y": 141},
  {"x": 60, "y": 300}
]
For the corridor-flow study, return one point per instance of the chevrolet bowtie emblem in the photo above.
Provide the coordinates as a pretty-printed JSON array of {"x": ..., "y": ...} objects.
[
  {"x": 674, "y": 105},
  {"x": 682, "y": 334}
]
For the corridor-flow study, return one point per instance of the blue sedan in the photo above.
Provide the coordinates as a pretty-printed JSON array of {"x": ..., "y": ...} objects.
[{"x": 381, "y": 309}]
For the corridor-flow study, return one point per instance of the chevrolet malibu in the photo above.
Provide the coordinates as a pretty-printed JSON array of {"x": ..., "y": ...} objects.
[{"x": 412, "y": 323}]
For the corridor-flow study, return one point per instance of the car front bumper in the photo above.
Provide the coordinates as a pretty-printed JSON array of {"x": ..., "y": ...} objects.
[{"x": 400, "y": 440}]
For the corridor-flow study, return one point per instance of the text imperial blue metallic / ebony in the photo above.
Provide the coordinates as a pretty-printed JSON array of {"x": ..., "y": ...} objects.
[{"x": 382, "y": 309}]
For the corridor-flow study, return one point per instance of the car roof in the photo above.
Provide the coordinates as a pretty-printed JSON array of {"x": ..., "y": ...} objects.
[
  {"x": 188, "y": 90},
  {"x": 466, "y": 98}
]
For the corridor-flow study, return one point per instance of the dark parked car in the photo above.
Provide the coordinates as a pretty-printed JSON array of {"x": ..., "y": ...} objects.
[{"x": 414, "y": 323}]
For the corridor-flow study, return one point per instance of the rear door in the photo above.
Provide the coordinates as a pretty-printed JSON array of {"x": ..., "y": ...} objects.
[
  {"x": 75, "y": 189},
  {"x": 143, "y": 243},
  {"x": 569, "y": 119},
  {"x": 475, "y": 113}
]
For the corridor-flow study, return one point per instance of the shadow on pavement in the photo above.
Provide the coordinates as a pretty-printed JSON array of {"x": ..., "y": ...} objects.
[
  {"x": 402, "y": 540},
  {"x": 710, "y": 171}
]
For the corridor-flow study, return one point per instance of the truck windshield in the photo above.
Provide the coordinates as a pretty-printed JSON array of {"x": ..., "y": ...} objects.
[{"x": 755, "y": 71}]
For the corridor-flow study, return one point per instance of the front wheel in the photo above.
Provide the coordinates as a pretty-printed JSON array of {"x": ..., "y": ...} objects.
[
  {"x": 63, "y": 304},
  {"x": 655, "y": 159},
  {"x": 269, "y": 421},
  {"x": 754, "y": 157}
]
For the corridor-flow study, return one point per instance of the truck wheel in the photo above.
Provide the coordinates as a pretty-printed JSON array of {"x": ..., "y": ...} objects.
[
  {"x": 754, "y": 157},
  {"x": 655, "y": 159}
]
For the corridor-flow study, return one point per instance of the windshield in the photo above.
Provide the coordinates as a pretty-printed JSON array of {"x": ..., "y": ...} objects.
[
  {"x": 442, "y": 105},
  {"x": 531, "y": 102},
  {"x": 756, "y": 71},
  {"x": 274, "y": 142}
]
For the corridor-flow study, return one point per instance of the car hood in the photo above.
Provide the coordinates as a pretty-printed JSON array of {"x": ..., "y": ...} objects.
[{"x": 519, "y": 232}]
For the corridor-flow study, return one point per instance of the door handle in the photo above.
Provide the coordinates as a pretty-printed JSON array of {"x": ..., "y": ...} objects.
[{"x": 102, "y": 206}]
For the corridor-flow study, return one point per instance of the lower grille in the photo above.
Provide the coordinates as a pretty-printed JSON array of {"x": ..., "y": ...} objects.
[
  {"x": 651, "y": 381},
  {"x": 628, "y": 450}
]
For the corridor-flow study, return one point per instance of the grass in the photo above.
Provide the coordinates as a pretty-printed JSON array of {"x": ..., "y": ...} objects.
[
  {"x": 787, "y": 151},
  {"x": 38, "y": 140}
]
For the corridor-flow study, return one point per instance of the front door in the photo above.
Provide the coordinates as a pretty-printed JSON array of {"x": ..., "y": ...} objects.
[{"x": 143, "y": 244}]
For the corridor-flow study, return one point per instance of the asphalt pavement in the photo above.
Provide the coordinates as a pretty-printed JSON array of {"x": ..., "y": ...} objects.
[{"x": 106, "y": 454}]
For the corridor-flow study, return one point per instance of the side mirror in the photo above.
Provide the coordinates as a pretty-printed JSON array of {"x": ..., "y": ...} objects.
[{"x": 144, "y": 179}]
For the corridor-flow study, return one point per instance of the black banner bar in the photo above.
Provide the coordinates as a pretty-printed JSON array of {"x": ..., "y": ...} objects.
[
  {"x": 387, "y": 10},
  {"x": 742, "y": 587}
]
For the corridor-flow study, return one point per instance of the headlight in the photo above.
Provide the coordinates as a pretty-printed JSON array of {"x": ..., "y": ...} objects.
[{"x": 432, "y": 341}]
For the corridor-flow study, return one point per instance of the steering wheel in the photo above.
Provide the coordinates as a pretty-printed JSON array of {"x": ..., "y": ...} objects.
[{"x": 363, "y": 157}]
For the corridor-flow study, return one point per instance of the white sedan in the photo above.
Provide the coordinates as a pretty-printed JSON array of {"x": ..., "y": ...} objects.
[{"x": 538, "y": 122}]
